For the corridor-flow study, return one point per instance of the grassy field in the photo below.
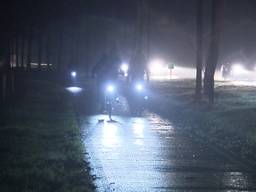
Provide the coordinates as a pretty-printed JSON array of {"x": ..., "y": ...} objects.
[
  {"x": 40, "y": 142},
  {"x": 231, "y": 124}
]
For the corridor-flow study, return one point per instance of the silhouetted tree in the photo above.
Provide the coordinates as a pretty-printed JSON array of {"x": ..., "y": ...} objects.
[
  {"x": 39, "y": 44},
  {"x": 22, "y": 50},
  {"x": 199, "y": 22},
  {"x": 17, "y": 51},
  {"x": 59, "y": 51},
  {"x": 212, "y": 57},
  {"x": 29, "y": 50},
  {"x": 48, "y": 51},
  {"x": 141, "y": 43}
]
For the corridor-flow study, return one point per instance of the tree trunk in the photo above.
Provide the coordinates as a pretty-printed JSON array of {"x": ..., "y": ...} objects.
[
  {"x": 79, "y": 52},
  {"x": 6, "y": 56},
  {"x": 76, "y": 49},
  {"x": 22, "y": 51},
  {"x": 4, "y": 87},
  {"x": 17, "y": 52},
  {"x": 212, "y": 58},
  {"x": 199, "y": 63},
  {"x": 48, "y": 52},
  {"x": 147, "y": 36},
  {"x": 5, "y": 68},
  {"x": 59, "y": 52},
  {"x": 39, "y": 52},
  {"x": 12, "y": 51},
  {"x": 140, "y": 39},
  {"x": 12, "y": 82},
  {"x": 29, "y": 51}
]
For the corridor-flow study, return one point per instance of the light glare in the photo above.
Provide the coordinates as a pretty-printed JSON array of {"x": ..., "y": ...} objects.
[
  {"x": 156, "y": 66},
  {"x": 74, "y": 89},
  {"x": 110, "y": 88},
  {"x": 73, "y": 74},
  {"x": 139, "y": 87},
  {"x": 238, "y": 69},
  {"x": 124, "y": 67}
]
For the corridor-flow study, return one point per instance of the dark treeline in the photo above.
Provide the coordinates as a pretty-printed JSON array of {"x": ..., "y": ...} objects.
[{"x": 62, "y": 35}]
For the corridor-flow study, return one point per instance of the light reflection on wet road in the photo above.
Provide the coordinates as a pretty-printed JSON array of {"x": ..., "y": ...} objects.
[{"x": 147, "y": 154}]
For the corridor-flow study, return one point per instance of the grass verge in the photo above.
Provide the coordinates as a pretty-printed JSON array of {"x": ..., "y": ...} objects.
[
  {"x": 41, "y": 145},
  {"x": 230, "y": 125}
]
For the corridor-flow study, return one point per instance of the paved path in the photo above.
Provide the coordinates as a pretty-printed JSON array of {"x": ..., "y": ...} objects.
[{"x": 148, "y": 154}]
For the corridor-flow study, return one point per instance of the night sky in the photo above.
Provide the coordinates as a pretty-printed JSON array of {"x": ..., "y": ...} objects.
[{"x": 172, "y": 23}]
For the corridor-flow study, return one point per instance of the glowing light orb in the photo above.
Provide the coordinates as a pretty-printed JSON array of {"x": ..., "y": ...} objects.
[
  {"x": 74, "y": 89},
  {"x": 73, "y": 74},
  {"x": 238, "y": 69},
  {"x": 124, "y": 67},
  {"x": 110, "y": 88},
  {"x": 156, "y": 66},
  {"x": 139, "y": 87}
]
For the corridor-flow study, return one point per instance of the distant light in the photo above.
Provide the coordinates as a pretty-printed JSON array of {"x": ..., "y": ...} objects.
[
  {"x": 73, "y": 74},
  {"x": 156, "y": 66},
  {"x": 110, "y": 88},
  {"x": 238, "y": 69},
  {"x": 42, "y": 64},
  {"x": 124, "y": 67},
  {"x": 146, "y": 97},
  {"x": 139, "y": 87},
  {"x": 178, "y": 73},
  {"x": 74, "y": 89}
]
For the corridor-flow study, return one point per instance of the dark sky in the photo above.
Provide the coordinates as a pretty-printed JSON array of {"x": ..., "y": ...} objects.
[
  {"x": 173, "y": 21},
  {"x": 180, "y": 10}
]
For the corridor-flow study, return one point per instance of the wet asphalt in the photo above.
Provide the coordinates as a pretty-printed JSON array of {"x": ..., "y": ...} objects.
[{"x": 149, "y": 153}]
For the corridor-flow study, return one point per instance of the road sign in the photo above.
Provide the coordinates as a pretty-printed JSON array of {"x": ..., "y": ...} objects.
[{"x": 171, "y": 66}]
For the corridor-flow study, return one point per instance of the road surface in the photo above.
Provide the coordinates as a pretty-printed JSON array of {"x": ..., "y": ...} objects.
[{"x": 150, "y": 154}]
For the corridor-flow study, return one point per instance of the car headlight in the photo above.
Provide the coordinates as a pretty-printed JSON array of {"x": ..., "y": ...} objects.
[
  {"x": 124, "y": 67},
  {"x": 73, "y": 74},
  {"x": 110, "y": 88},
  {"x": 139, "y": 87}
]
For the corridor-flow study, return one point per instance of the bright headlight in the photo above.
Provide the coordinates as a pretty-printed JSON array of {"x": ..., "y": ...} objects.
[
  {"x": 73, "y": 74},
  {"x": 139, "y": 87},
  {"x": 238, "y": 69},
  {"x": 156, "y": 66},
  {"x": 110, "y": 88},
  {"x": 124, "y": 67}
]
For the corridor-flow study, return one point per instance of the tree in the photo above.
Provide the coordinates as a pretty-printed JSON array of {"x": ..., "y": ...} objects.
[
  {"x": 17, "y": 51},
  {"x": 29, "y": 50},
  {"x": 199, "y": 37},
  {"x": 60, "y": 52},
  {"x": 40, "y": 44},
  {"x": 22, "y": 51},
  {"x": 212, "y": 57},
  {"x": 12, "y": 52},
  {"x": 142, "y": 37},
  {"x": 48, "y": 51}
]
